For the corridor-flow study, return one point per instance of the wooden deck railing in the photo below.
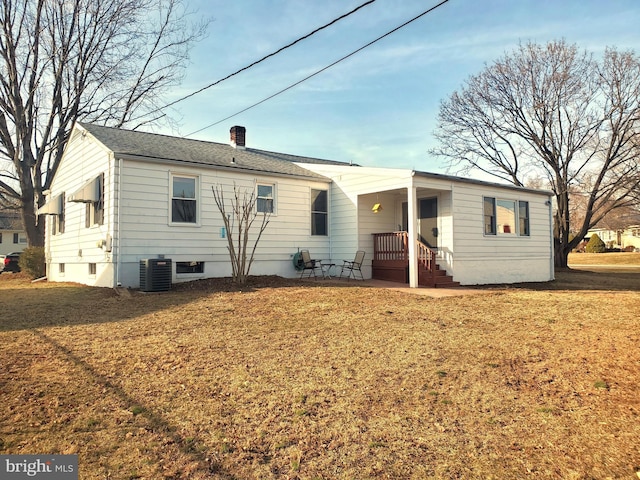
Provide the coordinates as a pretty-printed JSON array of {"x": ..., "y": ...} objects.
[{"x": 393, "y": 246}]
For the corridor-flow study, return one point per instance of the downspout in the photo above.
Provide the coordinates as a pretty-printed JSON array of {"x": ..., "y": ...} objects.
[
  {"x": 412, "y": 214},
  {"x": 552, "y": 267},
  {"x": 331, "y": 217},
  {"x": 116, "y": 227}
]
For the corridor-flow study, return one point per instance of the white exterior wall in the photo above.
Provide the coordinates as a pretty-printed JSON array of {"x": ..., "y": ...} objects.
[
  {"x": 146, "y": 230},
  {"x": 488, "y": 259},
  {"x": 142, "y": 228},
  {"x": 78, "y": 246},
  {"x": 631, "y": 238},
  {"x": 464, "y": 251},
  {"x": 7, "y": 244},
  {"x": 352, "y": 198}
]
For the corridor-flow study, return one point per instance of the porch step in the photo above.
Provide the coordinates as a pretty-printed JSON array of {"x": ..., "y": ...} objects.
[
  {"x": 440, "y": 279},
  {"x": 398, "y": 271},
  {"x": 450, "y": 284}
]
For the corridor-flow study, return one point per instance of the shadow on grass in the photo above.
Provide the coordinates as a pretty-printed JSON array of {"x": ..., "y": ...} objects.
[
  {"x": 41, "y": 305},
  {"x": 51, "y": 304},
  {"x": 192, "y": 447}
]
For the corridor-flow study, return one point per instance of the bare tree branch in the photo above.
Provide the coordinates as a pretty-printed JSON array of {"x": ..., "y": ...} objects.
[
  {"x": 239, "y": 216},
  {"x": 91, "y": 60},
  {"x": 552, "y": 112}
]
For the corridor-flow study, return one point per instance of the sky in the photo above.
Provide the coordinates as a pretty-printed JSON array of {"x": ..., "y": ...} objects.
[{"x": 378, "y": 108}]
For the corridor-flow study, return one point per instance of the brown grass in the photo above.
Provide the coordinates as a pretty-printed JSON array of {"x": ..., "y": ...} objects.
[
  {"x": 322, "y": 381},
  {"x": 631, "y": 259}
]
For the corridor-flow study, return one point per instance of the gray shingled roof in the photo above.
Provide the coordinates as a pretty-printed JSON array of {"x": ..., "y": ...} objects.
[
  {"x": 10, "y": 221},
  {"x": 129, "y": 143}
]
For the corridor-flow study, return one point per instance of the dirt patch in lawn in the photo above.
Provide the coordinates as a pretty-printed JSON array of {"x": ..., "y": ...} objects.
[{"x": 289, "y": 379}]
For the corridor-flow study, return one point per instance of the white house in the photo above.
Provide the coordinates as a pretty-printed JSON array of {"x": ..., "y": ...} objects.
[
  {"x": 122, "y": 196},
  {"x": 13, "y": 238}
]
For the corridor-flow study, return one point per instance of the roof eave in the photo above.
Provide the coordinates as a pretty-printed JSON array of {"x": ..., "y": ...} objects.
[{"x": 230, "y": 168}]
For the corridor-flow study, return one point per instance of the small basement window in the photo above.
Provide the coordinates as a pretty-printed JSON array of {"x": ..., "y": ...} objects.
[
  {"x": 93, "y": 269},
  {"x": 61, "y": 268},
  {"x": 189, "y": 267}
]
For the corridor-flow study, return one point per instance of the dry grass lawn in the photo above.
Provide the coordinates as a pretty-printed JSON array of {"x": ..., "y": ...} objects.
[
  {"x": 627, "y": 259},
  {"x": 303, "y": 380}
]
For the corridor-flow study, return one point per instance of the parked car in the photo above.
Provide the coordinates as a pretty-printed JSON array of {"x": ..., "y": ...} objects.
[
  {"x": 2, "y": 263},
  {"x": 11, "y": 262}
]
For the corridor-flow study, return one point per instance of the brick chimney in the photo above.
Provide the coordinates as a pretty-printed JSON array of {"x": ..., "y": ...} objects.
[{"x": 238, "y": 137}]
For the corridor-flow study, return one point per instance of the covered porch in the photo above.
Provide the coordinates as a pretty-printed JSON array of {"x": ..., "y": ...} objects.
[
  {"x": 408, "y": 234},
  {"x": 391, "y": 261}
]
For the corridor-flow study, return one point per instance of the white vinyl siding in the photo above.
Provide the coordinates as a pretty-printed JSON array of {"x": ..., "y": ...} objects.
[
  {"x": 78, "y": 246},
  {"x": 503, "y": 258},
  {"x": 145, "y": 232}
]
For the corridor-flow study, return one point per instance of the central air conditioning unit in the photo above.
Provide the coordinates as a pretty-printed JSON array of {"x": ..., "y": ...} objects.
[{"x": 155, "y": 275}]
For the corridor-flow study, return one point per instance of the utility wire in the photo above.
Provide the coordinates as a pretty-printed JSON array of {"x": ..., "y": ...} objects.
[
  {"x": 322, "y": 69},
  {"x": 335, "y": 20}
]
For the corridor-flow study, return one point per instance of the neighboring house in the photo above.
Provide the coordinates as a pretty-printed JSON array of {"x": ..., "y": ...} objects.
[
  {"x": 13, "y": 238},
  {"x": 626, "y": 238},
  {"x": 121, "y": 196}
]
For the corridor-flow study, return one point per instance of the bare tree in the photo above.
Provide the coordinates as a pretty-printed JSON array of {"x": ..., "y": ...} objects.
[
  {"x": 103, "y": 61},
  {"x": 555, "y": 112},
  {"x": 238, "y": 217}
]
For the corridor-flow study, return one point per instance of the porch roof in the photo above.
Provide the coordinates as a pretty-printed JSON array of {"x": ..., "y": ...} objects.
[{"x": 453, "y": 178}]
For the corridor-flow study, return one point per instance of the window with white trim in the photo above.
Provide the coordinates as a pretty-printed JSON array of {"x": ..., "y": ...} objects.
[
  {"x": 265, "y": 198},
  {"x": 523, "y": 215},
  {"x": 319, "y": 212},
  {"x": 184, "y": 199},
  {"x": 58, "y": 219},
  {"x": 505, "y": 217},
  {"x": 94, "y": 211}
]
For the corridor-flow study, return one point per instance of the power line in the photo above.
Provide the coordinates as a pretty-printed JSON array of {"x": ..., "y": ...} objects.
[
  {"x": 335, "y": 20},
  {"x": 317, "y": 72}
]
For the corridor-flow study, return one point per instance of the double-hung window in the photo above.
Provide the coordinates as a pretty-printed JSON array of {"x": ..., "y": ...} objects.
[
  {"x": 523, "y": 214},
  {"x": 58, "y": 219},
  {"x": 505, "y": 217},
  {"x": 319, "y": 212},
  {"x": 489, "y": 206},
  {"x": 265, "y": 200},
  {"x": 184, "y": 201},
  {"x": 94, "y": 211}
]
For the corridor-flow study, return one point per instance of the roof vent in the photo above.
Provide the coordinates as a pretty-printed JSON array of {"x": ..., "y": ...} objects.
[{"x": 238, "y": 135}]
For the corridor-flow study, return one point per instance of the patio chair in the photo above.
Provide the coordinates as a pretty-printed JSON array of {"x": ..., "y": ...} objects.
[
  {"x": 353, "y": 268},
  {"x": 309, "y": 265}
]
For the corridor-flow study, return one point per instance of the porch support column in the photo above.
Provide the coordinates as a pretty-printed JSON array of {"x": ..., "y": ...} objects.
[{"x": 412, "y": 211}]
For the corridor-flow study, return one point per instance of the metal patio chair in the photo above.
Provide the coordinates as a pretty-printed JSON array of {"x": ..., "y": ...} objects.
[
  {"x": 353, "y": 268},
  {"x": 309, "y": 265}
]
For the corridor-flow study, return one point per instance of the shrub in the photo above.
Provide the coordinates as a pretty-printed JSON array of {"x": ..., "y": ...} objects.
[
  {"x": 32, "y": 262},
  {"x": 595, "y": 245}
]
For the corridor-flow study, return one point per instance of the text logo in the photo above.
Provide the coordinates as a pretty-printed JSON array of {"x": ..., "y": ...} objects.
[{"x": 49, "y": 467}]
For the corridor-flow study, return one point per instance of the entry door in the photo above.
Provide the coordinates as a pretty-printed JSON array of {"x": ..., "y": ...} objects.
[{"x": 428, "y": 221}]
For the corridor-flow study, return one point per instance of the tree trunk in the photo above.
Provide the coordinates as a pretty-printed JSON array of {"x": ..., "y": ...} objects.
[
  {"x": 35, "y": 232},
  {"x": 560, "y": 255},
  {"x": 561, "y": 243}
]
